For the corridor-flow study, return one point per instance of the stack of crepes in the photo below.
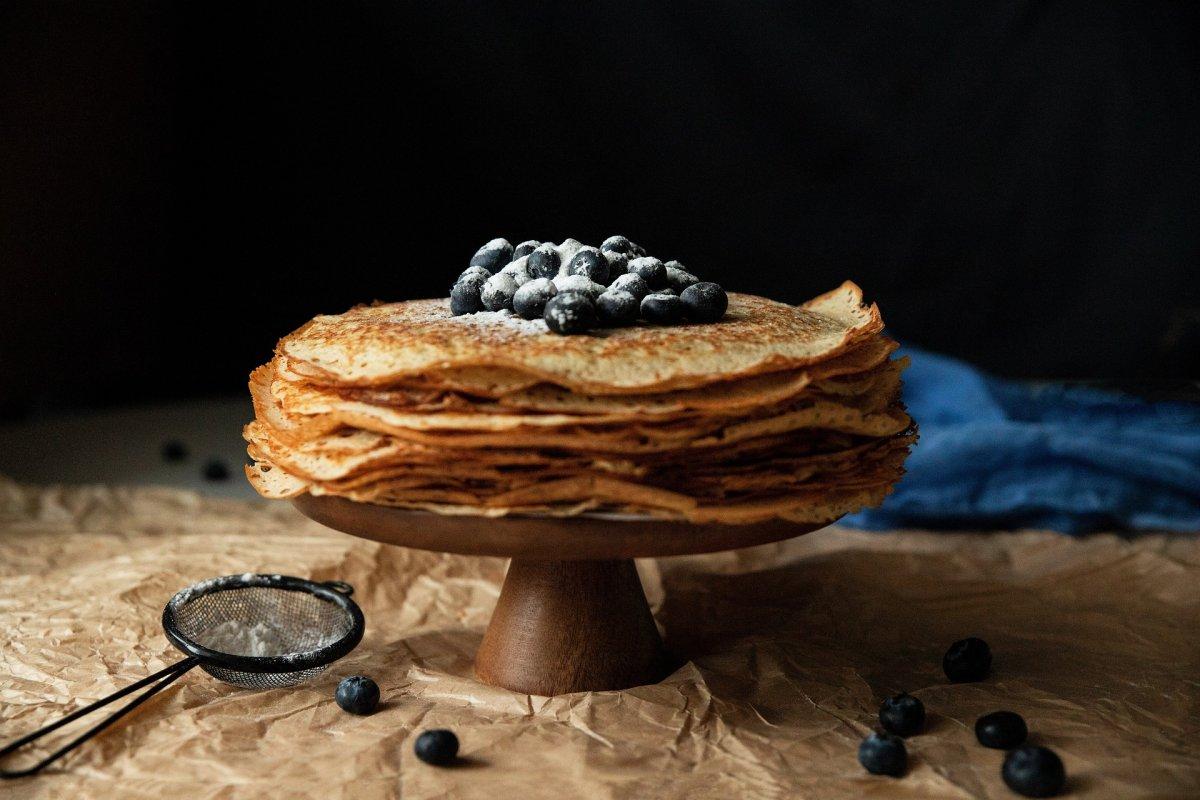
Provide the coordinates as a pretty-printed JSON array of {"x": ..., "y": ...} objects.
[{"x": 776, "y": 411}]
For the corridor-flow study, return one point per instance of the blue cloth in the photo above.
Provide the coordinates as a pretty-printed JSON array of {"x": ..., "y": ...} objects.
[{"x": 998, "y": 454}]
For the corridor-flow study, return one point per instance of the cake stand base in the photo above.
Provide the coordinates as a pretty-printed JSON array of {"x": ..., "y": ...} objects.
[
  {"x": 572, "y": 615},
  {"x": 571, "y": 626}
]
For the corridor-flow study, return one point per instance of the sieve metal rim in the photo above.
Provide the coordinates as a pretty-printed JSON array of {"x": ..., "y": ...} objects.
[{"x": 335, "y": 592}]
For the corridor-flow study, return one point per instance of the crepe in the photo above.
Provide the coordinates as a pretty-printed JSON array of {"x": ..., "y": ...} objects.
[
  {"x": 774, "y": 412},
  {"x": 378, "y": 344}
]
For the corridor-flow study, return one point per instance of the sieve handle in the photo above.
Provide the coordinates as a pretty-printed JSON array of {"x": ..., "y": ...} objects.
[{"x": 160, "y": 681}]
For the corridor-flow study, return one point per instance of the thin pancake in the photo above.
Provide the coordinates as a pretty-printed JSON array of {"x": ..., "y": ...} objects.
[
  {"x": 373, "y": 345},
  {"x": 777, "y": 411}
]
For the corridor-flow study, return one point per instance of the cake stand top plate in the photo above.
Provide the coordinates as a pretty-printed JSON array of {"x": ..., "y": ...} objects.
[{"x": 541, "y": 537}]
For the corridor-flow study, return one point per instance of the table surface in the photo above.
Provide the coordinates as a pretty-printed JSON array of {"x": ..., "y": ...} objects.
[{"x": 785, "y": 652}]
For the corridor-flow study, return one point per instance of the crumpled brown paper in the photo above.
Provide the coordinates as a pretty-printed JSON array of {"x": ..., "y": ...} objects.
[{"x": 791, "y": 647}]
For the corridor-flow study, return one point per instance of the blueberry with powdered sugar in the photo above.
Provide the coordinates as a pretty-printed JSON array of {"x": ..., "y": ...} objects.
[
  {"x": 530, "y": 300},
  {"x": 630, "y": 283},
  {"x": 493, "y": 255},
  {"x": 482, "y": 273},
  {"x": 544, "y": 261},
  {"x": 704, "y": 302},
  {"x": 618, "y": 263},
  {"x": 579, "y": 283},
  {"x": 651, "y": 270},
  {"x": 618, "y": 244},
  {"x": 617, "y": 309},
  {"x": 590, "y": 263},
  {"x": 622, "y": 244},
  {"x": 661, "y": 309},
  {"x": 519, "y": 270},
  {"x": 525, "y": 248},
  {"x": 679, "y": 278},
  {"x": 497, "y": 293},
  {"x": 570, "y": 313},
  {"x": 465, "y": 297}
]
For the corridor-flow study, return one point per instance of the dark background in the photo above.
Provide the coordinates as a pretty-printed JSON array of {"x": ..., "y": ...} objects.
[{"x": 181, "y": 184}]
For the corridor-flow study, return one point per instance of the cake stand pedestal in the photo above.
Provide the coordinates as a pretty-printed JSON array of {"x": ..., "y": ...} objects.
[{"x": 572, "y": 615}]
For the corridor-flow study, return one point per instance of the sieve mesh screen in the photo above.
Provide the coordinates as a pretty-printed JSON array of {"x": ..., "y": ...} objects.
[{"x": 261, "y": 621}]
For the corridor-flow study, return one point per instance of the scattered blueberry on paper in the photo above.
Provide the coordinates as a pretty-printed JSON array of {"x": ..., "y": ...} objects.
[{"x": 1028, "y": 771}]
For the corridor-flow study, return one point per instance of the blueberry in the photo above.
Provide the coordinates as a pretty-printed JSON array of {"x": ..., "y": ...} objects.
[
  {"x": 216, "y": 470},
  {"x": 438, "y": 747},
  {"x": 174, "y": 450},
  {"x": 590, "y": 263},
  {"x": 662, "y": 309},
  {"x": 1002, "y": 730},
  {"x": 470, "y": 272},
  {"x": 525, "y": 248},
  {"x": 519, "y": 270},
  {"x": 630, "y": 283},
  {"x": 618, "y": 263},
  {"x": 651, "y": 270},
  {"x": 903, "y": 715},
  {"x": 498, "y": 292},
  {"x": 883, "y": 754},
  {"x": 618, "y": 244},
  {"x": 617, "y": 309},
  {"x": 579, "y": 283},
  {"x": 544, "y": 261},
  {"x": 531, "y": 298},
  {"x": 493, "y": 255},
  {"x": 679, "y": 278},
  {"x": 357, "y": 694},
  {"x": 1034, "y": 772},
  {"x": 570, "y": 312},
  {"x": 465, "y": 296},
  {"x": 967, "y": 660},
  {"x": 704, "y": 302}
]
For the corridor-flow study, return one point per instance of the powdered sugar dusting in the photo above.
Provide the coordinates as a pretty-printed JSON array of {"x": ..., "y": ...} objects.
[
  {"x": 519, "y": 271},
  {"x": 502, "y": 319},
  {"x": 495, "y": 244},
  {"x": 567, "y": 251},
  {"x": 564, "y": 316},
  {"x": 237, "y": 638}
]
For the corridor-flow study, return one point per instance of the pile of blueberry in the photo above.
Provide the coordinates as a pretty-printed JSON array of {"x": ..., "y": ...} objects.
[
  {"x": 1029, "y": 771},
  {"x": 611, "y": 286}
]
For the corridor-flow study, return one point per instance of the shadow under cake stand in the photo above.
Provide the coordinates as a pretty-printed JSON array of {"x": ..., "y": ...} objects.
[{"x": 572, "y": 615}]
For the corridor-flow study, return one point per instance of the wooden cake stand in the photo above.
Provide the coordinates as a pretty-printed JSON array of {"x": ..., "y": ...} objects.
[{"x": 572, "y": 615}]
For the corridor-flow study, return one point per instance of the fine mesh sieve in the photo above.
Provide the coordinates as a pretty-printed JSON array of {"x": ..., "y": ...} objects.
[{"x": 253, "y": 631}]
